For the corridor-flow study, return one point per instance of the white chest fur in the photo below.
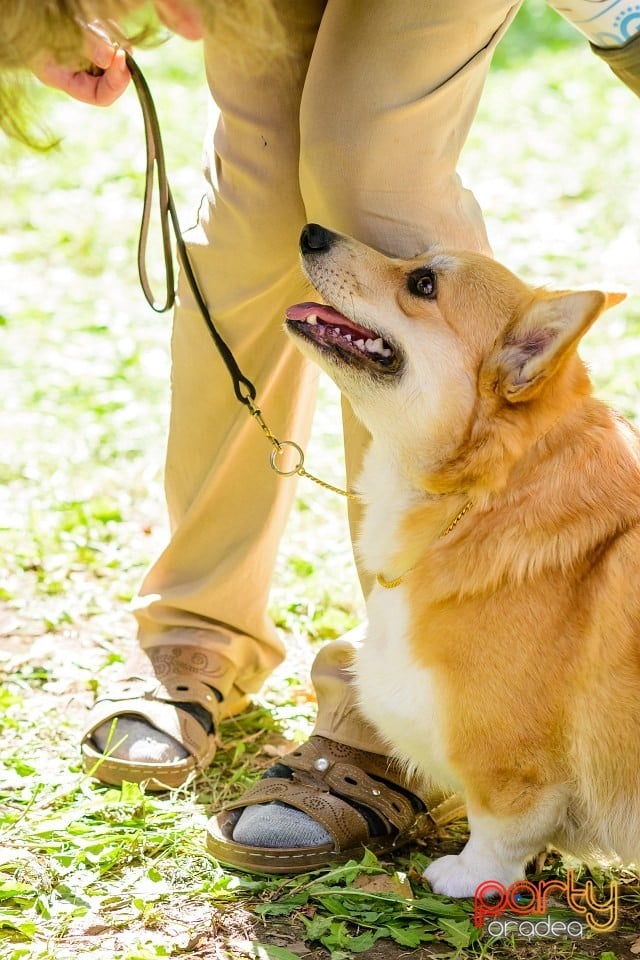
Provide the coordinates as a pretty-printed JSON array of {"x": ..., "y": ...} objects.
[{"x": 397, "y": 694}]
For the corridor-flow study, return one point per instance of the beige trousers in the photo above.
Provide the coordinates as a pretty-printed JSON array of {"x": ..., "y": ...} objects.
[{"x": 357, "y": 125}]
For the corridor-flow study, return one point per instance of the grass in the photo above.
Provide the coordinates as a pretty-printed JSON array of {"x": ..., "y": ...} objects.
[{"x": 87, "y": 871}]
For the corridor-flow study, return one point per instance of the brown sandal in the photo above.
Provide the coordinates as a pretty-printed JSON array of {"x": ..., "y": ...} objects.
[
  {"x": 155, "y": 703},
  {"x": 332, "y": 783},
  {"x": 159, "y": 700}
]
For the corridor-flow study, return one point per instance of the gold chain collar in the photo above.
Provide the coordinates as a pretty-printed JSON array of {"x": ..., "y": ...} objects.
[{"x": 390, "y": 584}]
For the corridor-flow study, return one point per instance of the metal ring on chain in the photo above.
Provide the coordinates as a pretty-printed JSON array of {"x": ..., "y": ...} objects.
[{"x": 278, "y": 450}]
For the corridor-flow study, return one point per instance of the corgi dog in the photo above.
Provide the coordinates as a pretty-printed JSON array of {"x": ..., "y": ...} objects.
[{"x": 502, "y": 532}]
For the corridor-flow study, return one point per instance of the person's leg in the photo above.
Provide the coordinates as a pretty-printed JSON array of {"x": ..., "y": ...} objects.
[
  {"x": 202, "y": 607},
  {"x": 380, "y": 164},
  {"x": 391, "y": 91}
]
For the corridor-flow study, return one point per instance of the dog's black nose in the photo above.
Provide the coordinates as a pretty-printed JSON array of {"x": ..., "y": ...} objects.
[{"x": 315, "y": 238}]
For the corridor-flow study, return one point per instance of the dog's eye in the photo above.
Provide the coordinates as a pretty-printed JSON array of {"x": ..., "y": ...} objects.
[{"x": 422, "y": 283}]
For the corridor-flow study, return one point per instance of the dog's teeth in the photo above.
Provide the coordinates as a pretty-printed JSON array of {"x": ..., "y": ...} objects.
[
  {"x": 360, "y": 344},
  {"x": 312, "y": 319},
  {"x": 386, "y": 352},
  {"x": 375, "y": 346},
  {"x": 347, "y": 337},
  {"x": 336, "y": 330}
]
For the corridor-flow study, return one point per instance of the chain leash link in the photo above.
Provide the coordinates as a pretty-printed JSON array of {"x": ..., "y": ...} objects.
[{"x": 279, "y": 446}]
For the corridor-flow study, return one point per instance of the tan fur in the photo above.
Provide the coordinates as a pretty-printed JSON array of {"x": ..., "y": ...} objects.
[{"x": 526, "y": 616}]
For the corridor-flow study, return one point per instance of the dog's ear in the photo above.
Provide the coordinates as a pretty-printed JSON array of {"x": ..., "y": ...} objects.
[{"x": 536, "y": 344}]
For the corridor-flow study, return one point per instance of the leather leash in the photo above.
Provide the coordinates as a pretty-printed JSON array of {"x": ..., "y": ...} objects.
[
  {"x": 243, "y": 387},
  {"x": 169, "y": 218}
]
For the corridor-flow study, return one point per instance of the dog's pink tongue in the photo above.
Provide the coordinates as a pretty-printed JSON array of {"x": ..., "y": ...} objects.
[{"x": 300, "y": 311}]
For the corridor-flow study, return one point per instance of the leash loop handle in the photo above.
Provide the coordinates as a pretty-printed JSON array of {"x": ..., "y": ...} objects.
[
  {"x": 244, "y": 389},
  {"x": 155, "y": 158}
]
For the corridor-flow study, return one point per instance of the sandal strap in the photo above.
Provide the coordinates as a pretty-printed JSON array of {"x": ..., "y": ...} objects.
[
  {"x": 345, "y": 825},
  {"x": 178, "y": 688},
  {"x": 157, "y": 704},
  {"x": 319, "y": 753},
  {"x": 328, "y": 775}
]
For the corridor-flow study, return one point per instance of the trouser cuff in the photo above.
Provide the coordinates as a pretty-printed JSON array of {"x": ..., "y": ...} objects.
[
  {"x": 624, "y": 61},
  {"x": 339, "y": 717}
]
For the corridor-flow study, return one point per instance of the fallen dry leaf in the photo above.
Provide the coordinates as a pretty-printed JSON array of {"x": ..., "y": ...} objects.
[
  {"x": 396, "y": 884},
  {"x": 277, "y": 752}
]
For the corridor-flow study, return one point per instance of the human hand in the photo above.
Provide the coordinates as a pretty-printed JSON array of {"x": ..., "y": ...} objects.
[
  {"x": 180, "y": 18},
  {"x": 100, "y": 86}
]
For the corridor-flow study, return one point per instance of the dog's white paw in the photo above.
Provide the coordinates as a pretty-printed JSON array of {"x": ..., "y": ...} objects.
[
  {"x": 450, "y": 878},
  {"x": 460, "y": 876}
]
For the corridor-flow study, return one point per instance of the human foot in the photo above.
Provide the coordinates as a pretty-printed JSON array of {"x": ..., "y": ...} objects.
[
  {"x": 136, "y": 739},
  {"x": 157, "y": 732},
  {"x": 159, "y": 726},
  {"x": 323, "y": 804}
]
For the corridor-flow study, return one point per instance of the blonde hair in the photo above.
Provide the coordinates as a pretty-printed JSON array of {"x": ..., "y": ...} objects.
[{"x": 33, "y": 29}]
